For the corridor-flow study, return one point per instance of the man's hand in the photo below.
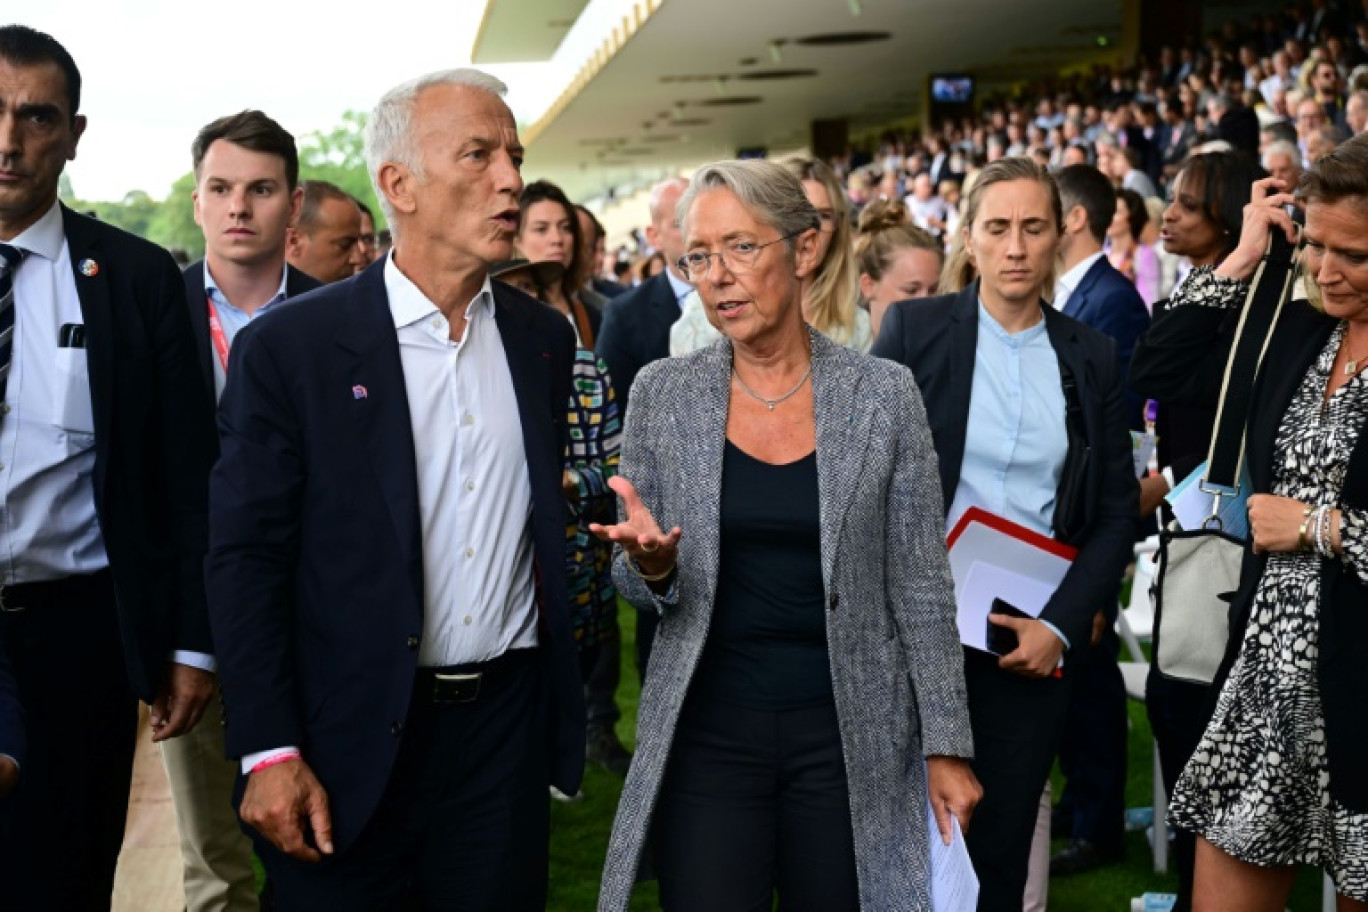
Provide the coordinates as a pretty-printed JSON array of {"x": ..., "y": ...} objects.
[
  {"x": 286, "y": 803},
  {"x": 9, "y": 775},
  {"x": 1038, "y": 647},
  {"x": 1152, "y": 491},
  {"x": 1098, "y": 628},
  {"x": 953, "y": 791},
  {"x": 180, "y": 704}
]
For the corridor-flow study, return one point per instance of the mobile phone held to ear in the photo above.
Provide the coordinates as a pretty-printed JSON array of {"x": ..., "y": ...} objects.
[{"x": 1002, "y": 641}]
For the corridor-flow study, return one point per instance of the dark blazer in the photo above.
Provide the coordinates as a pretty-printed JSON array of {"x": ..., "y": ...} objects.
[
  {"x": 1109, "y": 303},
  {"x": 154, "y": 442},
  {"x": 1182, "y": 359},
  {"x": 13, "y": 740},
  {"x": 636, "y": 331},
  {"x": 938, "y": 338},
  {"x": 315, "y": 566},
  {"x": 296, "y": 283}
]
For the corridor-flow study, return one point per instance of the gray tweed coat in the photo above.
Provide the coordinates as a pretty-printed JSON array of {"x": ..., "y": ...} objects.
[{"x": 896, "y": 665}]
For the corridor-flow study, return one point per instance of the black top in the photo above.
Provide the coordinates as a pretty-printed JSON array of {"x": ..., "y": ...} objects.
[{"x": 767, "y": 647}]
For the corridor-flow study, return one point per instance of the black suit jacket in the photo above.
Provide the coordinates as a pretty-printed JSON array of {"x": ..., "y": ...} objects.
[
  {"x": 1108, "y": 302},
  {"x": 937, "y": 338},
  {"x": 315, "y": 567},
  {"x": 1182, "y": 359},
  {"x": 296, "y": 284},
  {"x": 154, "y": 442},
  {"x": 636, "y": 331}
]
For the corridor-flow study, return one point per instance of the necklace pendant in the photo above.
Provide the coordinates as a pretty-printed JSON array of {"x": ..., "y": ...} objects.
[
  {"x": 770, "y": 404},
  {"x": 1350, "y": 368}
]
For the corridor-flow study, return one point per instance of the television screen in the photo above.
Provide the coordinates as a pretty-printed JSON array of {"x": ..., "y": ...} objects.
[{"x": 952, "y": 89}]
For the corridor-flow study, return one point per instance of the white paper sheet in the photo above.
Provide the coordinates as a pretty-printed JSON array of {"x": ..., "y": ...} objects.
[
  {"x": 986, "y": 582},
  {"x": 954, "y": 885}
]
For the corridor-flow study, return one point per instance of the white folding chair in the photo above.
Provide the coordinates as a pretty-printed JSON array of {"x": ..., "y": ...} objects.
[{"x": 1134, "y": 673}]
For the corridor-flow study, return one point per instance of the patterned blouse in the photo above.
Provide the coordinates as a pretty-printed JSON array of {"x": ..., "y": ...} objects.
[{"x": 595, "y": 435}]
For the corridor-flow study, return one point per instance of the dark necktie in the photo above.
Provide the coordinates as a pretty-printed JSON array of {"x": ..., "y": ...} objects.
[{"x": 9, "y": 262}]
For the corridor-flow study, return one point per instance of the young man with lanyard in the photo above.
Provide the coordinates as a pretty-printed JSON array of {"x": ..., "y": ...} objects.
[{"x": 246, "y": 196}]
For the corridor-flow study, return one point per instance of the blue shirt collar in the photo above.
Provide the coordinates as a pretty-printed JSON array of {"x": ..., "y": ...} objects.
[
  {"x": 1020, "y": 338},
  {"x": 216, "y": 294}
]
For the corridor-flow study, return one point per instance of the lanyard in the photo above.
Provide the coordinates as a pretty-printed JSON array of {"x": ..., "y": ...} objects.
[{"x": 217, "y": 334}]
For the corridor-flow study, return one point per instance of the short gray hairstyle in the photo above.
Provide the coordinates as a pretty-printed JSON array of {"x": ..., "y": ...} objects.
[
  {"x": 389, "y": 131},
  {"x": 771, "y": 192},
  {"x": 1281, "y": 147}
]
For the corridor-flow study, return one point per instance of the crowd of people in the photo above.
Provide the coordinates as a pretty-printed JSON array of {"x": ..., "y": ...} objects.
[{"x": 374, "y": 614}]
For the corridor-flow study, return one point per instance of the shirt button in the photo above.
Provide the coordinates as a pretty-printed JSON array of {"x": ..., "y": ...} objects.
[
  {"x": 467, "y": 620},
  {"x": 412, "y": 642},
  {"x": 470, "y": 485},
  {"x": 470, "y": 552},
  {"x": 4, "y": 408},
  {"x": 468, "y": 420},
  {"x": 397, "y": 729}
]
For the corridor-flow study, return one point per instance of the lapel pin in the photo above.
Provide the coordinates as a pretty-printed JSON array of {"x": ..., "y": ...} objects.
[
  {"x": 358, "y": 392},
  {"x": 89, "y": 268}
]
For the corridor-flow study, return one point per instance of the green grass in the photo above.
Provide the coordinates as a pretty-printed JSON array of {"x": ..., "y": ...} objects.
[{"x": 579, "y": 831}]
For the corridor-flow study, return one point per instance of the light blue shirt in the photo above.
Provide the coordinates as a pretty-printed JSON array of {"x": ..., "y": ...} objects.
[
  {"x": 680, "y": 287},
  {"x": 1016, "y": 440},
  {"x": 232, "y": 319}
]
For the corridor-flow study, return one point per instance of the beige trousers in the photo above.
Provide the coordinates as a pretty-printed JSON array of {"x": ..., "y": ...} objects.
[
  {"x": 216, "y": 853},
  {"x": 1038, "y": 877}
]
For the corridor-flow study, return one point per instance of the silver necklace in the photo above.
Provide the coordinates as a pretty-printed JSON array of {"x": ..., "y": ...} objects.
[{"x": 773, "y": 402}]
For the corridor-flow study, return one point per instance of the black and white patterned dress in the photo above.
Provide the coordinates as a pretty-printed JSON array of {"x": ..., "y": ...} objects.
[{"x": 1258, "y": 785}]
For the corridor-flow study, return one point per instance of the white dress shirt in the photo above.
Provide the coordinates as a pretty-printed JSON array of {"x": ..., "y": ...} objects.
[
  {"x": 1065, "y": 284},
  {"x": 474, "y": 493},
  {"x": 48, "y": 526}
]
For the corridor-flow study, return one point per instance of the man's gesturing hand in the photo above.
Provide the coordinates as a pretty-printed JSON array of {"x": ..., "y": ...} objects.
[{"x": 286, "y": 803}]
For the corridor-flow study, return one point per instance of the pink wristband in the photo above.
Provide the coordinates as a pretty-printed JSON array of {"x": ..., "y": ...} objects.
[{"x": 272, "y": 761}]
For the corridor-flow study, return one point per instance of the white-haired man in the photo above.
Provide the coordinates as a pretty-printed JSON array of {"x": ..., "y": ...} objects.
[{"x": 386, "y": 572}]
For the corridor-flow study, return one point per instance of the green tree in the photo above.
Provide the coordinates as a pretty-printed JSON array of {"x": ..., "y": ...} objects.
[
  {"x": 338, "y": 157},
  {"x": 174, "y": 223}
]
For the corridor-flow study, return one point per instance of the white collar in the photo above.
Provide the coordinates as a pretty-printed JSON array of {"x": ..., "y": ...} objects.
[
  {"x": 1069, "y": 280},
  {"x": 408, "y": 304},
  {"x": 44, "y": 237}
]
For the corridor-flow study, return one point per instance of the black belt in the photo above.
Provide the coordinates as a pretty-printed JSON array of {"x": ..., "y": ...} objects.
[
  {"x": 467, "y": 683},
  {"x": 54, "y": 593}
]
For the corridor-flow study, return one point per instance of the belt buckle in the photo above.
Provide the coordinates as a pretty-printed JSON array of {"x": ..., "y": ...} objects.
[{"x": 458, "y": 680}]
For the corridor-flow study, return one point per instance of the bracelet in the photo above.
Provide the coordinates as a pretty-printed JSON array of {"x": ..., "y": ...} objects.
[
  {"x": 272, "y": 761},
  {"x": 1323, "y": 531},
  {"x": 648, "y": 577},
  {"x": 1302, "y": 542}
]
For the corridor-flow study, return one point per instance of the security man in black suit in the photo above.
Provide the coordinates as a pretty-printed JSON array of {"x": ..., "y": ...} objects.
[{"x": 104, "y": 503}]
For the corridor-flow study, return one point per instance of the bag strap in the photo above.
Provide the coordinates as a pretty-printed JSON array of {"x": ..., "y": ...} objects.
[{"x": 1268, "y": 291}]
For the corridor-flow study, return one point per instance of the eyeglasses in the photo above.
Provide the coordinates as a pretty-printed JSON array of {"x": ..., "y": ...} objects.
[{"x": 736, "y": 256}]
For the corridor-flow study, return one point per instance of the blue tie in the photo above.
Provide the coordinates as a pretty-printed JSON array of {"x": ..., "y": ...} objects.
[{"x": 9, "y": 262}]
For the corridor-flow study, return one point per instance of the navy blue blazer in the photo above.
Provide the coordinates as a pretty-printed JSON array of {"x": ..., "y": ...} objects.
[
  {"x": 296, "y": 284},
  {"x": 938, "y": 338},
  {"x": 1108, "y": 302},
  {"x": 315, "y": 567},
  {"x": 635, "y": 332},
  {"x": 12, "y": 737}
]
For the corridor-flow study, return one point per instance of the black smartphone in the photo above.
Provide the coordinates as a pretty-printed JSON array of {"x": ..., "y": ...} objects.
[
  {"x": 1003, "y": 640},
  {"x": 71, "y": 335}
]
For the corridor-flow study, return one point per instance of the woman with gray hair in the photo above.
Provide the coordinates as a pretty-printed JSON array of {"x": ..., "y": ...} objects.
[{"x": 807, "y": 659}]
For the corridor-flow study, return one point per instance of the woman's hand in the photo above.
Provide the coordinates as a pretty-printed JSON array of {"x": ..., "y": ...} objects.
[
  {"x": 1264, "y": 213},
  {"x": 640, "y": 536},
  {"x": 1275, "y": 523},
  {"x": 953, "y": 791}
]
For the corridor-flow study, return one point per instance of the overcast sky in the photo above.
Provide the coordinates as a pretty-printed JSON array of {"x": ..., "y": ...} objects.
[{"x": 155, "y": 71}]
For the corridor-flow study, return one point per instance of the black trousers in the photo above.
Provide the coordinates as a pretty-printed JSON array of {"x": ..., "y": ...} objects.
[
  {"x": 601, "y": 678},
  {"x": 464, "y": 822},
  {"x": 61, "y": 830},
  {"x": 1092, "y": 755},
  {"x": 1017, "y": 724},
  {"x": 1178, "y": 713},
  {"x": 755, "y": 802},
  {"x": 647, "y": 621}
]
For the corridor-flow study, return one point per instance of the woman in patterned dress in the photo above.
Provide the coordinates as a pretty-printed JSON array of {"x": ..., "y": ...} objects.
[{"x": 1279, "y": 778}]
